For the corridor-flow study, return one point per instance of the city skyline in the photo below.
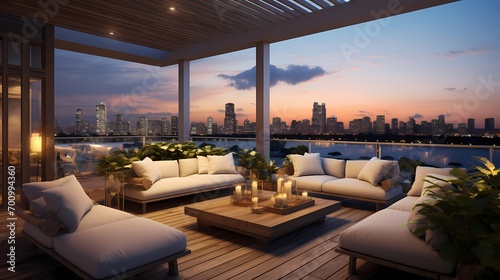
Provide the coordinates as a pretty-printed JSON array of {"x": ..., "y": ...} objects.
[
  {"x": 318, "y": 124},
  {"x": 400, "y": 67}
]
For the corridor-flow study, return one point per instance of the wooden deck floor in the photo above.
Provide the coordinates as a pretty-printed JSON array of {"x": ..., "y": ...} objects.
[{"x": 307, "y": 253}]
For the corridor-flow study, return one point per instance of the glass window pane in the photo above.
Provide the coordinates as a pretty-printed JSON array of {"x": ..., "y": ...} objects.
[
  {"x": 1, "y": 52},
  {"x": 35, "y": 56},
  {"x": 36, "y": 129},
  {"x": 14, "y": 127},
  {"x": 14, "y": 50},
  {"x": 1, "y": 141}
]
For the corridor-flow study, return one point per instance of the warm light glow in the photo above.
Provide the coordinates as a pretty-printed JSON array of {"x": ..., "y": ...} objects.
[
  {"x": 36, "y": 143},
  {"x": 111, "y": 33},
  {"x": 172, "y": 8}
]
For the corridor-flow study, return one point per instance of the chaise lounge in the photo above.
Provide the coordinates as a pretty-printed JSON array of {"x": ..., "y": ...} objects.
[{"x": 95, "y": 241}]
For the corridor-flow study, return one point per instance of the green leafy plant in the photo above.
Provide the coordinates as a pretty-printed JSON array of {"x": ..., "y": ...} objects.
[
  {"x": 116, "y": 161},
  {"x": 256, "y": 163},
  {"x": 469, "y": 215}
]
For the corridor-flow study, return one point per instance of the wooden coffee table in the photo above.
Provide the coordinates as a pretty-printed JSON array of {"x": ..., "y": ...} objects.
[{"x": 267, "y": 226}]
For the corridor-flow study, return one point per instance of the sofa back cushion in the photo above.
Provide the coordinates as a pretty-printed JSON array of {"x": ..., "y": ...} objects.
[
  {"x": 333, "y": 167},
  {"x": 221, "y": 164},
  {"x": 167, "y": 168},
  {"x": 420, "y": 174},
  {"x": 203, "y": 165},
  {"x": 146, "y": 169},
  {"x": 375, "y": 170},
  {"x": 353, "y": 167},
  {"x": 188, "y": 166},
  {"x": 304, "y": 165}
]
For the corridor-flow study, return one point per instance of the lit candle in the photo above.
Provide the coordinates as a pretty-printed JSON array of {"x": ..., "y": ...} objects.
[
  {"x": 279, "y": 186},
  {"x": 277, "y": 200},
  {"x": 304, "y": 195},
  {"x": 283, "y": 200},
  {"x": 237, "y": 192},
  {"x": 288, "y": 189},
  {"x": 254, "y": 188},
  {"x": 255, "y": 201}
]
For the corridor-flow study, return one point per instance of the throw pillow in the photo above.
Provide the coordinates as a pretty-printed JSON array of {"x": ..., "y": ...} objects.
[
  {"x": 34, "y": 190},
  {"x": 39, "y": 207},
  {"x": 333, "y": 167},
  {"x": 420, "y": 173},
  {"x": 188, "y": 166},
  {"x": 433, "y": 179},
  {"x": 374, "y": 170},
  {"x": 203, "y": 165},
  {"x": 69, "y": 203},
  {"x": 306, "y": 165},
  {"x": 167, "y": 168},
  {"x": 222, "y": 164},
  {"x": 146, "y": 169}
]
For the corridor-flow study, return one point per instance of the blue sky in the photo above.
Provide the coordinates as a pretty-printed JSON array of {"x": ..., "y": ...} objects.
[{"x": 443, "y": 60}]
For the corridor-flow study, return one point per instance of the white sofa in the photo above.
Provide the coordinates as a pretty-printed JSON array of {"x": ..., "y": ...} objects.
[
  {"x": 94, "y": 241},
  {"x": 371, "y": 180},
  {"x": 150, "y": 181},
  {"x": 390, "y": 237}
]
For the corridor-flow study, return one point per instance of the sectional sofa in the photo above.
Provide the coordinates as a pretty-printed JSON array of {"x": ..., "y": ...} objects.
[
  {"x": 373, "y": 180},
  {"x": 150, "y": 181},
  {"x": 391, "y": 237},
  {"x": 94, "y": 241}
]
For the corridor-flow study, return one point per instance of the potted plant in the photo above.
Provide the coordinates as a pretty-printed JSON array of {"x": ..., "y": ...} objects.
[{"x": 468, "y": 214}]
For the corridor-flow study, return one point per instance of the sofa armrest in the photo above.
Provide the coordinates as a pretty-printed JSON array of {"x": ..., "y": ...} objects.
[
  {"x": 391, "y": 183},
  {"x": 48, "y": 227}
]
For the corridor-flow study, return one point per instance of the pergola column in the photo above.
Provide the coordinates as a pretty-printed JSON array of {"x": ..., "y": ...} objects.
[
  {"x": 184, "y": 106},
  {"x": 262, "y": 83}
]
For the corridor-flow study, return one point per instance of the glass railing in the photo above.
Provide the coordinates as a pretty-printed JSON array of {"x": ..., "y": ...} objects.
[{"x": 88, "y": 150}]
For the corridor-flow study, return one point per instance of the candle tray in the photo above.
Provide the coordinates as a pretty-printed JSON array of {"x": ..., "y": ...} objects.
[
  {"x": 247, "y": 201},
  {"x": 293, "y": 206}
]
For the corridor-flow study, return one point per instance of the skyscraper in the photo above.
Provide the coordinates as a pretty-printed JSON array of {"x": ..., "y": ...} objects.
[
  {"x": 79, "y": 121},
  {"x": 165, "y": 126},
  {"x": 489, "y": 125},
  {"x": 230, "y": 122},
  {"x": 175, "y": 125},
  {"x": 379, "y": 126},
  {"x": 121, "y": 127},
  {"x": 394, "y": 125},
  {"x": 143, "y": 126},
  {"x": 101, "y": 117},
  {"x": 210, "y": 122},
  {"x": 471, "y": 126},
  {"x": 318, "y": 120}
]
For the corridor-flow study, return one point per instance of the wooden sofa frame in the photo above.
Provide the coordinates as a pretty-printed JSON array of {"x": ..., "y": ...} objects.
[{"x": 353, "y": 256}]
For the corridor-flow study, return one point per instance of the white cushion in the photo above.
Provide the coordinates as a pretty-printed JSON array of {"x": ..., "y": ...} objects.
[
  {"x": 221, "y": 164},
  {"x": 311, "y": 182},
  {"x": 146, "y": 169},
  {"x": 39, "y": 207},
  {"x": 382, "y": 235},
  {"x": 167, "y": 168},
  {"x": 420, "y": 173},
  {"x": 333, "y": 167},
  {"x": 353, "y": 167},
  {"x": 106, "y": 250},
  {"x": 188, "y": 166},
  {"x": 34, "y": 190},
  {"x": 69, "y": 203},
  {"x": 203, "y": 165},
  {"x": 404, "y": 204},
  {"x": 306, "y": 165},
  {"x": 359, "y": 188},
  {"x": 375, "y": 170}
]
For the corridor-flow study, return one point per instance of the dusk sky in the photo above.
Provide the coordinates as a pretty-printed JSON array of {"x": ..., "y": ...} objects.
[{"x": 439, "y": 61}]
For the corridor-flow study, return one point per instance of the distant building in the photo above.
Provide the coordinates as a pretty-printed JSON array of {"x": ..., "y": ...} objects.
[
  {"x": 394, "y": 125},
  {"x": 143, "y": 126},
  {"x": 121, "y": 127},
  {"x": 355, "y": 126},
  {"x": 276, "y": 126},
  {"x": 366, "y": 125},
  {"x": 165, "y": 126},
  {"x": 330, "y": 125},
  {"x": 230, "y": 123},
  {"x": 174, "y": 125},
  {"x": 154, "y": 127},
  {"x": 489, "y": 126},
  {"x": 379, "y": 125},
  {"x": 79, "y": 122},
  {"x": 318, "y": 120},
  {"x": 471, "y": 126},
  {"x": 101, "y": 117},
  {"x": 461, "y": 129},
  {"x": 210, "y": 123}
]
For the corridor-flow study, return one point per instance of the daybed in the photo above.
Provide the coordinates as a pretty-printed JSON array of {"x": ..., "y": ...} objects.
[
  {"x": 150, "y": 181},
  {"x": 94, "y": 241},
  {"x": 373, "y": 180},
  {"x": 390, "y": 237}
]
